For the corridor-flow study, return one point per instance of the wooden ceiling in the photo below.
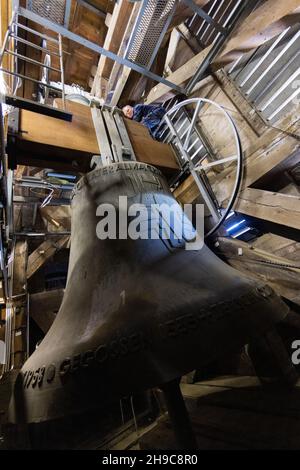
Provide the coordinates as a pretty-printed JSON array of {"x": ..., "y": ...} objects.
[
  {"x": 90, "y": 25},
  {"x": 79, "y": 62}
]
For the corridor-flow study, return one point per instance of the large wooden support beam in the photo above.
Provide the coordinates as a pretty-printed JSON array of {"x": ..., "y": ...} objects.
[
  {"x": 43, "y": 307},
  {"x": 180, "y": 75},
  {"x": 259, "y": 264},
  {"x": 46, "y": 142},
  {"x": 112, "y": 42},
  {"x": 280, "y": 246},
  {"x": 44, "y": 252},
  {"x": 262, "y": 25},
  {"x": 274, "y": 207},
  {"x": 19, "y": 268}
]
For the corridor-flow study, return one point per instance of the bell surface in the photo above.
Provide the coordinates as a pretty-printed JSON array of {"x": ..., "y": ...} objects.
[{"x": 135, "y": 313}]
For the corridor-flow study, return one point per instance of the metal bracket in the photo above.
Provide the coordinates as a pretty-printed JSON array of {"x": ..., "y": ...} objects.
[
  {"x": 102, "y": 138},
  {"x": 38, "y": 108}
]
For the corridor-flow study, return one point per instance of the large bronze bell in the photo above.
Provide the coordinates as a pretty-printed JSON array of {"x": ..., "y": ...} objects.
[{"x": 136, "y": 313}]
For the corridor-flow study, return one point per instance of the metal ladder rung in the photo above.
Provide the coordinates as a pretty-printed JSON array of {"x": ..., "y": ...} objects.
[
  {"x": 32, "y": 61},
  {"x": 30, "y": 79},
  {"x": 191, "y": 146},
  {"x": 31, "y": 44},
  {"x": 37, "y": 33},
  {"x": 197, "y": 151}
]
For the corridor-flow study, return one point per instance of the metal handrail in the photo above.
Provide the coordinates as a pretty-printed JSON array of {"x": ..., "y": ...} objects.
[{"x": 183, "y": 146}]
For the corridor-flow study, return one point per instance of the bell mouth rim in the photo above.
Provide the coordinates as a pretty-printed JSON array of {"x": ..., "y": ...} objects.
[{"x": 113, "y": 168}]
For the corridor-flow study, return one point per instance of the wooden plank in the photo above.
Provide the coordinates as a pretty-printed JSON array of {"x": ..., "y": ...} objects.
[
  {"x": 112, "y": 42},
  {"x": 52, "y": 143},
  {"x": 148, "y": 150},
  {"x": 119, "y": 75},
  {"x": 76, "y": 135},
  {"x": 274, "y": 207},
  {"x": 245, "y": 108},
  {"x": 43, "y": 307},
  {"x": 44, "y": 252},
  {"x": 282, "y": 274},
  {"x": 280, "y": 246},
  {"x": 19, "y": 268},
  {"x": 58, "y": 217},
  {"x": 178, "y": 77},
  {"x": 263, "y": 24}
]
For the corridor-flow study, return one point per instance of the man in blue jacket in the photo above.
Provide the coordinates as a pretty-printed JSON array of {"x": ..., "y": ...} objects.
[{"x": 150, "y": 115}]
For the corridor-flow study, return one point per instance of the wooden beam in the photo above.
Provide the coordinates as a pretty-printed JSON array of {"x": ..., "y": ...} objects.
[
  {"x": 183, "y": 12},
  {"x": 270, "y": 150},
  {"x": 19, "y": 268},
  {"x": 260, "y": 163},
  {"x": 259, "y": 264},
  {"x": 246, "y": 109},
  {"x": 119, "y": 74},
  {"x": 263, "y": 24},
  {"x": 43, "y": 307},
  {"x": 178, "y": 77},
  {"x": 43, "y": 253},
  {"x": 52, "y": 143},
  {"x": 279, "y": 246},
  {"x": 59, "y": 217},
  {"x": 112, "y": 42},
  {"x": 274, "y": 207}
]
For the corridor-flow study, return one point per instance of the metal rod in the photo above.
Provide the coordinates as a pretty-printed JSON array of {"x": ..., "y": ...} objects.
[
  {"x": 204, "y": 15},
  {"x": 281, "y": 53},
  {"x": 281, "y": 89},
  {"x": 217, "y": 162},
  {"x": 203, "y": 23},
  {"x": 286, "y": 102},
  {"x": 191, "y": 21},
  {"x": 264, "y": 57},
  {"x": 37, "y": 33},
  {"x": 206, "y": 196},
  {"x": 197, "y": 151},
  {"x": 96, "y": 48},
  {"x": 41, "y": 234},
  {"x": 61, "y": 60},
  {"x": 192, "y": 125},
  {"x": 32, "y": 61},
  {"x": 67, "y": 13},
  {"x": 231, "y": 13},
  {"x": 6, "y": 38},
  {"x": 30, "y": 79},
  {"x": 215, "y": 14},
  {"x": 182, "y": 124},
  {"x": 31, "y": 44},
  {"x": 236, "y": 13},
  {"x": 276, "y": 77},
  {"x": 192, "y": 145}
]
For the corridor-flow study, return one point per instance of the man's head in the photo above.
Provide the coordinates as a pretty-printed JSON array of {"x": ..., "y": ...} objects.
[{"x": 128, "y": 111}]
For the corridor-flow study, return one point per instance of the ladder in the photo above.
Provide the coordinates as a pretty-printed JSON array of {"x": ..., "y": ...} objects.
[
  {"x": 10, "y": 48},
  {"x": 182, "y": 130}
]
